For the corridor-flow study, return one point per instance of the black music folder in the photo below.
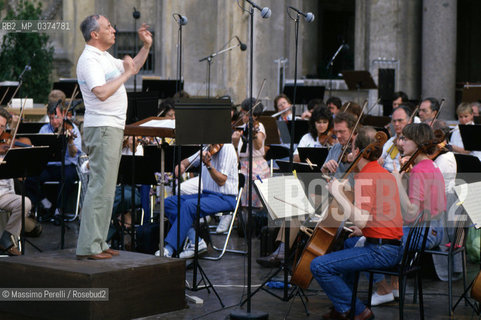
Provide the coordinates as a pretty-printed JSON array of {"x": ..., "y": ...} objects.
[
  {"x": 53, "y": 141},
  {"x": 277, "y": 152},
  {"x": 304, "y": 93},
  {"x": 470, "y": 135},
  {"x": 302, "y": 127},
  {"x": 315, "y": 155}
]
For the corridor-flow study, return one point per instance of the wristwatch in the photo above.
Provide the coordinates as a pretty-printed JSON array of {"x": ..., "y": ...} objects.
[{"x": 209, "y": 168}]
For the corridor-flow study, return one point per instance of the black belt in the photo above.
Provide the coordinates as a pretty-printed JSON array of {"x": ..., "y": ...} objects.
[{"x": 380, "y": 241}]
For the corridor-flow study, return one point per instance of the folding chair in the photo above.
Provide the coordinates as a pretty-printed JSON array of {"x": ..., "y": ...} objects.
[
  {"x": 229, "y": 232},
  {"x": 411, "y": 263}
]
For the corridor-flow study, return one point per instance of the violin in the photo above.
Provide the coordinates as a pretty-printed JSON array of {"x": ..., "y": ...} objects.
[
  {"x": 6, "y": 142},
  {"x": 214, "y": 148},
  {"x": 441, "y": 143},
  {"x": 327, "y": 138}
]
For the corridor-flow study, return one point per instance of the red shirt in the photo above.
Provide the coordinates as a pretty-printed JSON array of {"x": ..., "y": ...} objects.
[{"x": 375, "y": 190}]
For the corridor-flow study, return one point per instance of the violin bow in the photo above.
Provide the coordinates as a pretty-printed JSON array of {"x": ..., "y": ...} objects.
[
  {"x": 352, "y": 132},
  {"x": 256, "y": 103},
  {"x": 441, "y": 105},
  {"x": 22, "y": 108},
  {"x": 74, "y": 93}
]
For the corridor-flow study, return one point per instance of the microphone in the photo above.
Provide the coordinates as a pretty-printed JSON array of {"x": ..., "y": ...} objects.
[
  {"x": 265, "y": 12},
  {"x": 242, "y": 45},
  {"x": 182, "y": 19},
  {"x": 308, "y": 16},
  {"x": 345, "y": 46},
  {"x": 75, "y": 103}
]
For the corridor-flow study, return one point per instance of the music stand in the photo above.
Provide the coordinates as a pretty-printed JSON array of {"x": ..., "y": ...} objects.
[
  {"x": 315, "y": 155},
  {"x": 470, "y": 135},
  {"x": 67, "y": 86},
  {"x": 18, "y": 163},
  {"x": 141, "y": 105},
  {"x": 144, "y": 173},
  {"x": 277, "y": 152},
  {"x": 272, "y": 132},
  {"x": 7, "y": 89},
  {"x": 30, "y": 127},
  {"x": 300, "y": 129},
  {"x": 468, "y": 167},
  {"x": 304, "y": 93},
  {"x": 471, "y": 93},
  {"x": 202, "y": 121},
  {"x": 53, "y": 141},
  {"x": 357, "y": 80},
  {"x": 284, "y": 166},
  {"x": 163, "y": 88}
]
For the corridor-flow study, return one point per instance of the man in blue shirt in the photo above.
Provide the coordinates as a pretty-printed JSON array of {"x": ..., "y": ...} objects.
[{"x": 53, "y": 171}]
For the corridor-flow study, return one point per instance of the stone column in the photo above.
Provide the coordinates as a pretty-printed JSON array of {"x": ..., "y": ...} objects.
[{"x": 439, "y": 53}]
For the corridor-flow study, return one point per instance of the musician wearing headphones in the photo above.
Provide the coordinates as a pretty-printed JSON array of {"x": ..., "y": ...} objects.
[
  {"x": 220, "y": 183},
  {"x": 376, "y": 214}
]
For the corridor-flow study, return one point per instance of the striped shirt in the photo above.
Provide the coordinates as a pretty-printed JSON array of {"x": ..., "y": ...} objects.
[{"x": 224, "y": 161}]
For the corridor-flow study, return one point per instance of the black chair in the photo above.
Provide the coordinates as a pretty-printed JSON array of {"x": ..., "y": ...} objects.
[
  {"x": 410, "y": 264},
  {"x": 456, "y": 246}
]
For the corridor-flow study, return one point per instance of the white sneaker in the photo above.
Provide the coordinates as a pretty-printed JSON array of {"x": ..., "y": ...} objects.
[
  {"x": 167, "y": 254},
  {"x": 206, "y": 219},
  {"x": 378, "y": 299},
  {"x": 224, "y": 223},
  {"x": 46, "y": 203},
  {"x": 395, "y": 293},
  {"x": 190, "y": 249}
]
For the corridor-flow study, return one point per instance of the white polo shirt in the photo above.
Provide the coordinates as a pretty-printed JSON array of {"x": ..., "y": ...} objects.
[{"x": 95, "y": 68}]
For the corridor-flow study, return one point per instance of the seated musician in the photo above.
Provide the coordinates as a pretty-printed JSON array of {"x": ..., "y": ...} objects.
[
  {"x": 376, "y": 214},
  {"x": 320, "y": 131},
  {"x": 390, "y": 152},
  {"x": 465, "y": 116},
  {"x": 281, "y": 103},
  {"x": 220, "y": 183},
  {"x": 260, "y": 167},
  {"x": 334, "y": 105},
  {"x": 53, "y": 169},
  {"x": 426, "y": 192},
  {"x": 311, "y": 104},
  {"x": 344, "y": 124},
  {"x": 9, "y": 201}
]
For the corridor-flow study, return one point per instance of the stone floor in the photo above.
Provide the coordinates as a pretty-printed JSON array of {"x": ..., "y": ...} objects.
[{"x": 229, "y": 280}]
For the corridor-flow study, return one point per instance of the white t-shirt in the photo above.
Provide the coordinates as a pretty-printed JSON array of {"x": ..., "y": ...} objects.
[
  {"x": 447, "y": 164},
  {"x": 307, "y": 141},
  {"x": 456, "y": 140},
  {"x": 95, "y": 68},
  {"x": 389, "y": 150}
]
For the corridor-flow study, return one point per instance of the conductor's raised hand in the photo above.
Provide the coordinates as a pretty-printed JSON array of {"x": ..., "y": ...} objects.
[
  {"x": 129, "y": 65},
  {"x": 145, "y": 36}
]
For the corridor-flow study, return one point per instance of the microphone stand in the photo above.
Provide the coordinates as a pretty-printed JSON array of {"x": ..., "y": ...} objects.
[
  {"x": 248, "y": 314},
  {"x": 329, "y": 68},
  {"x": 209, "y": 60},
  {"x": 179, "y": 67}
]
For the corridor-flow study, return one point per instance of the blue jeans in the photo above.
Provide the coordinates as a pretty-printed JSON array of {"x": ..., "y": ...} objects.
[
  {"x": 210, "y": 203},
  {"x": 335, "y": 271}
]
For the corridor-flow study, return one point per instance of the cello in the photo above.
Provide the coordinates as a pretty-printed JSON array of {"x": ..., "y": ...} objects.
[{"x": 327, "y": 231}]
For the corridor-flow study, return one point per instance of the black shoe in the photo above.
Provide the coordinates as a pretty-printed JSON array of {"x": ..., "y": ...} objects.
[{"x": 272, "y": 261}]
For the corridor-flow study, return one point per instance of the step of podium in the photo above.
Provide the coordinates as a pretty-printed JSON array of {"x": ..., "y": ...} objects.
[{"x": 138, "y": 285}]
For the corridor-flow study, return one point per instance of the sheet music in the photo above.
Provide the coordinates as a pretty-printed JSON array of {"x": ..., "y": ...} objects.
[
  {"x": 169, "y": 123},
  {"x": 468, "y": 194},
  {"x": 284, "y": 197}
]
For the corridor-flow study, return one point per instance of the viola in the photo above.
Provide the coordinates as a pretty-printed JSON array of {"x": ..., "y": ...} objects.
[
  {"x": 329, "y": 229},
  {"x": 214, "y": 148}
]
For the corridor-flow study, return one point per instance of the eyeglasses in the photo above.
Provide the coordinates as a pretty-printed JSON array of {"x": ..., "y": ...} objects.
[{"x": 3, "y": 126}]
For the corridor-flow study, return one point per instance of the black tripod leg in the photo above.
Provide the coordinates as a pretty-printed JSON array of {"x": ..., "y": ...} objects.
[
  {"x": 209, "y": 285},
  {"x": 262, "y": 285}
]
